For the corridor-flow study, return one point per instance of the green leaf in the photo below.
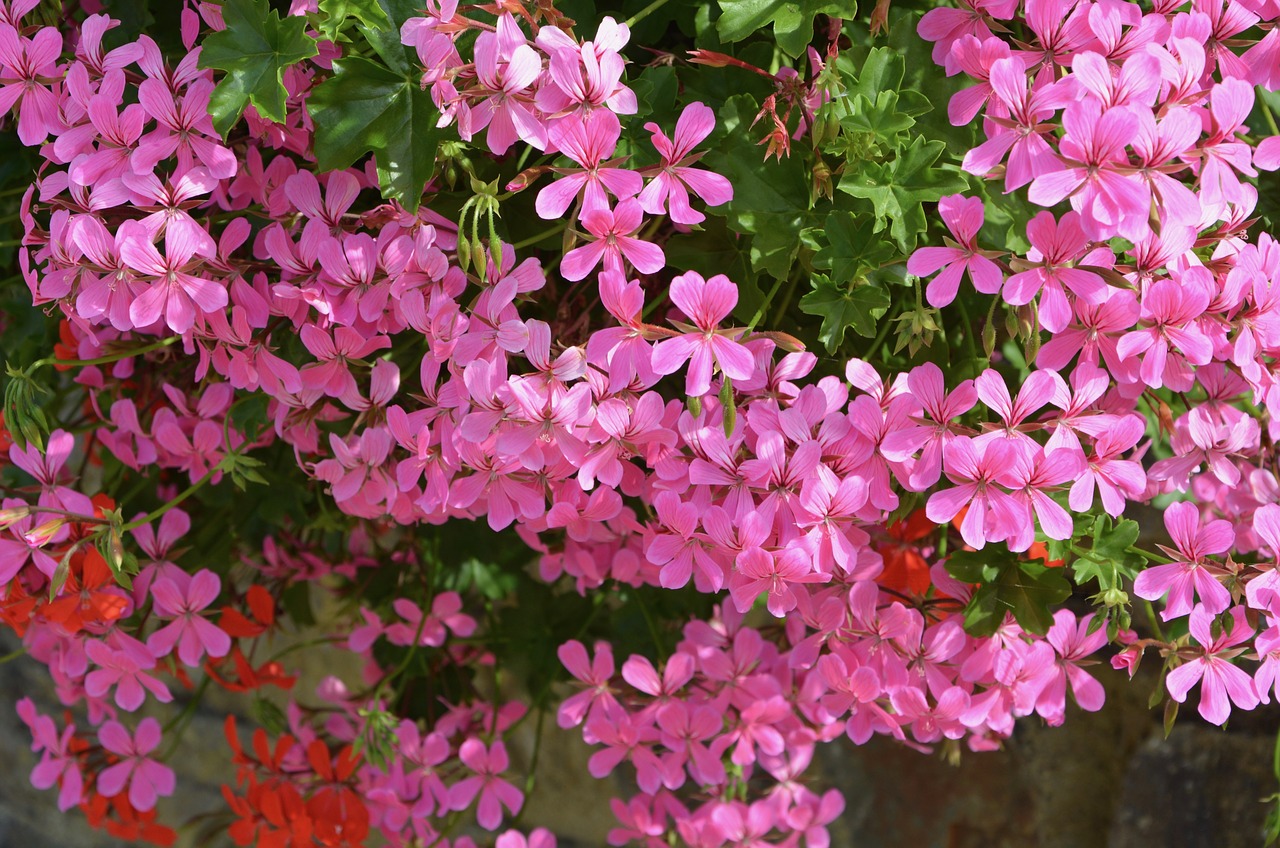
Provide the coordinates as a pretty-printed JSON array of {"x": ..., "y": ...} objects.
[
  {"x": 366, "y": 107},
  {"x": 841, "y": 307},
  {"x": 338, "y": 12},
  {"x": 879, "y": 116},
  {"x": 853, "y": 247},
  {"x": 792, "y": 19},
  {"x": 898, "y": 189},
  {"x": 1005, "y": 584},
  {"x": 253, "y": 50}
]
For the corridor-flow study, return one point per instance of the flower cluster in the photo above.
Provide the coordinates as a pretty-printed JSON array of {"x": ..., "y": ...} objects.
[{"x": 857, "y": 518}]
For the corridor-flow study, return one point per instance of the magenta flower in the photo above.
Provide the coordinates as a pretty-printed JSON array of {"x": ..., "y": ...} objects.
[
  {"x": 59, "y": 764},
  {"x": 589, "y": 141},
  {"x": 506, "y": 66},
  {"x": 597, "y": 699},
  {"x": 495, "y": 792},
  {"x": 703, "y": 346},
  {"x": 126, "y": 668},
  {"x": 174, "y": 293},
  {"x": 614, "y": 231},
  {"x": 1029, "y": 154},
  {"x": 1221, "y": 682},
  {"x": 963, "y": 217},
  {"x": 192, "y": 633},
  {"x": 760, "y": 571},
  {"x": 669, "y": 190},
  {"x": 1056, "y": 247},
  {"x": 979, "y": 470},
  {"x": 1191, "y": 572},
  {"x": 1172, "y": 341},
  {"x": 1110, "y": 203},
  {"x": 145, "y": 778},
  {"x": 26, "y": 65},
  {"x": 1073, "y": 643},
  {"x": 1117, "y": 479}
]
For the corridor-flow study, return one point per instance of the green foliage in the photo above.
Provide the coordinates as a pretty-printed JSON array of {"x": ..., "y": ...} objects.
[
  {"x": 337, "y": 13},
  {"x": 254, "y": 51},
  {"x": 1006, "y": 584},
  {"x": 378, "y": 107},
  {"x": 843, "y": 307},
  {"x": 900, "y": 188},
  {"x": 792, "y": 20}
]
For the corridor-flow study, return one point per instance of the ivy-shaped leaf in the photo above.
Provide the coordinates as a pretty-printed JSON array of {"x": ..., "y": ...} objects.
[
  {"x": 253, "y": 50},
  {"x": 898, "y": 189},
  {"x": 366, "y": 107},
  {"x": 853, "y": 247},
  {"x": 338, "y": 12},
  {"x": 841, "y": 307},
  {"x": 1005, "y": 584},
  {"x": 792, "y": 20}
]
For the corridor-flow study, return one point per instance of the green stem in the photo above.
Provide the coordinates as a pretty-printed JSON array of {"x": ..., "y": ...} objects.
[
  {"x": 106, "y": 360},
  {"x": 1155, "y": 622},
  {"x": 1149, "y": 555},
  {"x": 1271, "y": 119},
  {"x": 545, "y": 234},
  {"x": 653, "y": 627},
  {"x": 645, "y": 12},
  {"x": 178, "y": 724},
  {"x": 12, "y": 655},
  {"x": 886, "y": 323},
  {"x": 785, "y": 303},
  {"x": 163, "y": 508},
  {"x": 764, "y": 304}
]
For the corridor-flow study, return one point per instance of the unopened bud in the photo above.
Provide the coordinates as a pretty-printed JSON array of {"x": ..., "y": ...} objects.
[
  {"x": 989, "y": 339},
  {"x": 115, "y": 550},
  {"x": 43, "y": 534},
  {"x": 13, "y": 514},
  {"x": 1115, "y": 597}
]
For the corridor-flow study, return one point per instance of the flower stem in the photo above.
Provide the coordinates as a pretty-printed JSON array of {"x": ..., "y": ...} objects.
[{"x": 644, "y": 13}]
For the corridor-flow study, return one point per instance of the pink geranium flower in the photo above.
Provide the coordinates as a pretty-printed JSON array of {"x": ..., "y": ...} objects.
[
  {"x": 487, "y": 783},
  {"x": 145, "y": 778},
  {"x": 1221, "y": 682},
  {"x": 192, "y": 633},
  {"x": 963, "y": 217},
  {"x": 669, "y": 190},
  {"x": 615, "y": 240},
  {"x": 704, "y": 345}
]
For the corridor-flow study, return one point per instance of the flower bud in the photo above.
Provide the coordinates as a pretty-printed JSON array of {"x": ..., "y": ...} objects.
[
  {"x": 44, "y": 533},
  {"x": 13, "y": 515}
]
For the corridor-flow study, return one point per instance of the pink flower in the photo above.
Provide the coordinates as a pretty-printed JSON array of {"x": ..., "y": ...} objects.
[
  {"x": 589, "y": 141},
  {"x": 495, "y": 793},
  {"x": 26, "y": 64},
  {"x": 506, "y": 66},
  {"x": 963, "y": 217},
  {"x": 145, "y": 778},
  {"x": 979, "y": 469},
  {"x": 193, "y": 634},
  {"x": 126, "y": 668},
  {"x": 614, "y": 231},
  {"x": 1110, "y": 203},
  {"x": 174, "y": 292},
  {"x": 703, "y": 346},
  {"x": 598, "y": 697},
  {"x": 668, "y": 191},
  {"x": 1074, "y": 644},
  {"x": 1056, "y": 247},
  {"x": 1192, "y": 571},
  {"x": 1221, "y": 682}
]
